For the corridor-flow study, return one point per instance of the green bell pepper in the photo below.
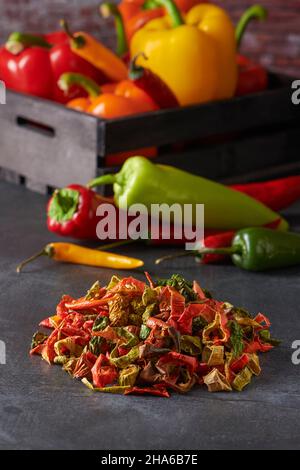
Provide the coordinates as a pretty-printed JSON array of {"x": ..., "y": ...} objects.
[
  {"x": 256, "y": 249},
  {"x": 142, "y": 182}
]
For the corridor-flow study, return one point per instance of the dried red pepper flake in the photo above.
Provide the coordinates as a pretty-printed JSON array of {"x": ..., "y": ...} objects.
[
  {"x": 134, "y": 338},
  {"x": 156, "y": 391}
]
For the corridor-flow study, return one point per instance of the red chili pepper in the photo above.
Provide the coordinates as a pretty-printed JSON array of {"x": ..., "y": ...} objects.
[
  {"x": 276, "y": 194},
  {"x": 33, "y": 64},
  {"x": 158, "y": 390},
  {"x": 253, "y": 77},
  {"x": 153, "y": 85}
]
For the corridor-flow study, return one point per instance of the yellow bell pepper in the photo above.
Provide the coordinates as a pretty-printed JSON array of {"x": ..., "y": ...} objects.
[{"x": 195, "y": 58}]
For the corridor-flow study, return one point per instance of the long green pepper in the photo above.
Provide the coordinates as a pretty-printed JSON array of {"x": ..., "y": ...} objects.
[{"x": 143, "y": 182}]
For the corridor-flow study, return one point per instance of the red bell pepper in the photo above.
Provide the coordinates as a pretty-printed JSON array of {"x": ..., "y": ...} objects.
[
  {"x": 253, "y": 77},
  {"x": 72, "y": 212},
  {"x": 27, "y": 69},
  {"x": 32, "y": 64}
]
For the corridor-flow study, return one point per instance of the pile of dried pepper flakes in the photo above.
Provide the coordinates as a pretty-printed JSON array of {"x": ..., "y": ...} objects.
[{"x": 133, "y": 338}]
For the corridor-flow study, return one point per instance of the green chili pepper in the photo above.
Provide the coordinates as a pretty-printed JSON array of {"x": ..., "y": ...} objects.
[
  {"x": 257, "y": 249},
  {"x": 141, "y": 181}
]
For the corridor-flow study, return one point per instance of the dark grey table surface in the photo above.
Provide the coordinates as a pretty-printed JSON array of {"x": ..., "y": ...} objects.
[{"x": 42, "y": 408}]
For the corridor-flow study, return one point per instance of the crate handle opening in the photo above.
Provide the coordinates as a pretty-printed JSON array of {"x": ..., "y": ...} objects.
[{"x": 34, "y": 126}]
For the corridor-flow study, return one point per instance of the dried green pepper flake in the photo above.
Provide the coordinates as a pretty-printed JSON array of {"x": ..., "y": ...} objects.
[
  {"x": 213, "y": 355},
  {"x": 38, "y": 338},
  {"x": 93, "y": 292},
  {"x": 149, "y": 296},
  {"x": 116, "y": 389},
  {"x": 241, "y": 312},
  {"x": 61, "y": 360},
  {"x": 144, "y": 332},
  {"x": 253, "y": 364},
  {"x": 191, "y": 345},
  {"x": 242, "y": 379},
  {"x": 135, "y": 319},
  {"x": 70, "y": 365},
  {"x": 149, "y": 311},
  {"x": 217, "y": 382},
  {"x": 100, "y": 323},
  {"x": 68, "y": 343},
  {"x": 118, "y": 311},
  {"x": 95, "y": 345},
  {"x": 113, "y": 282},
  {"x": 123, "y": 361},
  {"x": 199, "y": 323},
  {"x": 236, "y": 338},
  {"x": 129, "y": 375},
  {"x": 266, "y": 337},
  {"x": 123, "y": 333},
  {"x": 185, "y": 288}
]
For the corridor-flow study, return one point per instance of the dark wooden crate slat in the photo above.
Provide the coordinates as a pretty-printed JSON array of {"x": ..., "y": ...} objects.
[
  {"x": 218, "y": 118},
  {"x": 247, "y": 156},
  {"x": 55, "y": 161}
]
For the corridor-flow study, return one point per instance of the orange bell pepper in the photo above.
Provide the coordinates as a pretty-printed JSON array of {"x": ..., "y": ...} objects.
[{"x": 126, "y": 100}]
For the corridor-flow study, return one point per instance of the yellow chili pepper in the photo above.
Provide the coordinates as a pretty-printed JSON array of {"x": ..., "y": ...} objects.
[
  {"x": 88, "y": 48},
  {"x": 196, "y": 58},
  {"x": 76, "y": 254}
]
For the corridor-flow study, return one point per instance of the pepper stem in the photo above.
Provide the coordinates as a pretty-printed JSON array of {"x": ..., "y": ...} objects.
[
  {"x": 172, "y": 9},
  {"x": 104, "y": 179},
  {"x": 47, "y": 251},
  {"x": 136, "y": 71},
  {"x": 77, "y": 41},
  {"x": 256, "y": 12},
  {"x": 109, "y": 9},
  {"x": 149, "y": 5},
  {"x": 17, "y": 42},
  {"x": 203, "y": 251},
  {"x": 69, "y": 79}
]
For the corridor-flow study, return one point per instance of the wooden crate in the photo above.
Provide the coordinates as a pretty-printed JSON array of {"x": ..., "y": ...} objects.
[{"x": 45, "y": 145}]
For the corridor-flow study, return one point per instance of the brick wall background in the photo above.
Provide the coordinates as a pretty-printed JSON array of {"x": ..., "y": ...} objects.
[{"x": 275, "y": 43}]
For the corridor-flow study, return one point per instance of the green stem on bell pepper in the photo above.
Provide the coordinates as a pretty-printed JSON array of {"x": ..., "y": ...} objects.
[
  {"x": 17, "y": 42},
  {"x": 173, "y": 11},
  {"x": 149, "y": 5},
  {"x": 256, "y": 12},
  {"x": 109, "y": 9},
  {"x": 256, "y": 249},
  {"x": 69, "y": 79}
]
